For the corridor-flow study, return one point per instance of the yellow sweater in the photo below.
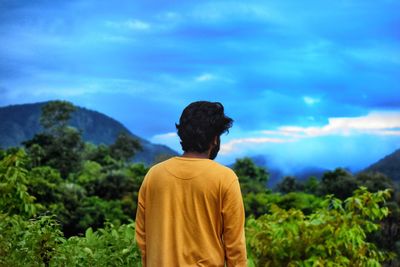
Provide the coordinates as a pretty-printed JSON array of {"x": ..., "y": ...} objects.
[{"x": 190, "y": 213}]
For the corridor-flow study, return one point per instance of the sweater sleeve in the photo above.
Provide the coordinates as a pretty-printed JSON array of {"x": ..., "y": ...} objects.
[
  {"x": 140, "y": 223},
  {"x": 233, "y": 226}
]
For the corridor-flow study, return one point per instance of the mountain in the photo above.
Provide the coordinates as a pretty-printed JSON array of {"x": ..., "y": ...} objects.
[
  {"x": 389, "y": 165},
  {"x": 21, "y": 122}
]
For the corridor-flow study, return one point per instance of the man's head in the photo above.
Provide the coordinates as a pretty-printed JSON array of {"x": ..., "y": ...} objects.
[{"x": 201, "y": 125}]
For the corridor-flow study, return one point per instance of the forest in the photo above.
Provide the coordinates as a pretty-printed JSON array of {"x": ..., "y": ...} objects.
[{"x": 66, "y": 202}]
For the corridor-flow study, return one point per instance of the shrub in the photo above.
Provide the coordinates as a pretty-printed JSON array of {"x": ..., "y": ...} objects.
[{"x": 334, "y": 235}]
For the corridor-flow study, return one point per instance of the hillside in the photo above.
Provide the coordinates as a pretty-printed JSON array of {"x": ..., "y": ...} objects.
[
  {"x": 21, "y": 122},
  {"x": 389, "y": 165}
]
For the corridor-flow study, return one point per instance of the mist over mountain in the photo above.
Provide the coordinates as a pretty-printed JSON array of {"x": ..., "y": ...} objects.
[
  {"x": 276, "y": 173},
  {"x": 21, "y": 122},
  {"x": 389, "y": 165}
]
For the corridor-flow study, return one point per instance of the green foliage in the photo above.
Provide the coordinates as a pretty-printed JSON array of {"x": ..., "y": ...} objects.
[
  {"x": 56, "y": 115},
  {"x": 99, "y": 154},
  {"x": 88, "y": 176},
  {"x": 334, "y": 235},
  {"x": 59, "y": 146},
  {"x": 72, "y": 198},
  {"x": 62, "y": 152},
  {"x": 28, "y": 243},
  {"x": 261, "y": 203},
  {"x": 30, "y": 240},
  {"x": 14, "y": 196},
  {"x": 251, "y": 177},
  {"x": 307, "y": 203},
  {"x": 111, "y": 246},
  {"x": 44, "y": 185},
  {"x": 125, "y": 147},
  {"x": 311, "y": 185},
  {"x": 136, "y": 173},
  {"x": 374, "y": 181},
  {"x": 339, "y": 182},
  {"x": 94, "y": 212},
  {"x": 289, "y": 184},
  {"x": 39, "y": 242},
  {"x": 2, "y": 153},
  {"x": 113, "y": 185},
  {"x": 257, "y": 204},
  {"x": 39, "y": 208}
]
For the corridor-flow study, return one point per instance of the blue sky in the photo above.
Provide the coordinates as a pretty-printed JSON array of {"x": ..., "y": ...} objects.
[{"x": 307, "y": 82}]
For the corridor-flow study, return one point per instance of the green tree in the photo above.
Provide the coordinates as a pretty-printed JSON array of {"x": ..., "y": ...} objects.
[
  {"x": 136, "y": 172},
  {"x": 89, "y": 176},
  {"x": 251, "y": 177},
  {"x": 339, "y": 182},
  {"x": 388, "y": 237},
  {"x": 124, "y": 147},
  {"x": 56, "y": 115},
  {"x": 72, "y": 197},
  {"x": 100, "y": 154},
  {"x": 375, "y": 181},
  {"x": 257, "y": 204},
  {"x": 289, "y": 184},
  {"x": 44, "y": 185},
  {"x": 306, "y": 203},
  {"x": 311, "y": 185},
  {"x": 59, "y": 146},
  {"x": 94, "y": 212}
]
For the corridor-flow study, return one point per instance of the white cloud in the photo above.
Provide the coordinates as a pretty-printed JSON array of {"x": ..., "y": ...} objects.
[
  {"x": 117, "y": 39},
  {"x": 310, "y": 100},
  {"x": 234, "y": 143},
  {"x": 378, "y": 54},
  {"x": 170, "y": 139},
  {"x": 225, "y": 11},
  {"x": 166, "y": 135},
  {"x": 170, "y": 16},
  {"x": 378, "y": 123},
  {"x": 129, "y": 24},
  {"x": 205, "y": 77},
  {"x": 375, "y": 123},
  {"x": 137, "y": 25}
]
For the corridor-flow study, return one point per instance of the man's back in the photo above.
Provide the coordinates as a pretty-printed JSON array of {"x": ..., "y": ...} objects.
[{"x": 190, "y": 213}]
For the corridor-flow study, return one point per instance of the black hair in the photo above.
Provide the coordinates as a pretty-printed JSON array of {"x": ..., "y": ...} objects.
[{"x": 200, "y": 123}]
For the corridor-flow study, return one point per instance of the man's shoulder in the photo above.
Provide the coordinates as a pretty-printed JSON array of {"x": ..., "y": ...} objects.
[
  {"x": 160, "y": 165},
  {"x": 222, "y": 168},
  {"x": 226, "y": 173}
]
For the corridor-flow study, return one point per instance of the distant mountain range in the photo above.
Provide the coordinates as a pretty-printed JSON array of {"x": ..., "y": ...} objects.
[
  {"x": 21, "y": 122},
  {"x": 389, "y": 165},
  {"x": 276, "y": 174}
]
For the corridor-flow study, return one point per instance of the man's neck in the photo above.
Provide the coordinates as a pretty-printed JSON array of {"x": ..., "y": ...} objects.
[{"x": 197, "y": 155}]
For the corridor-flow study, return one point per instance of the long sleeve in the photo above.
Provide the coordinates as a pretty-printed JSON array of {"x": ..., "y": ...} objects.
[
  {"x": 140, "y": 224},
  {"x": 233, "y": 226}
]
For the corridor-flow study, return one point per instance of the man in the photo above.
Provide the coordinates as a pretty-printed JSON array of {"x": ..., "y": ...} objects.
[{"x": 190, "y": 208}]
